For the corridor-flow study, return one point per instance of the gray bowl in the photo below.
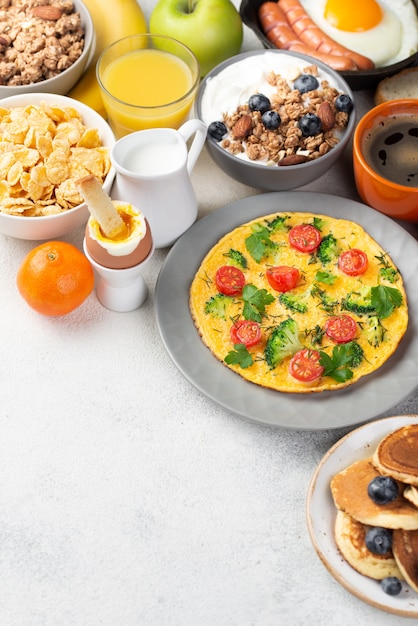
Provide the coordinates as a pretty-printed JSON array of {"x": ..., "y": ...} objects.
[{"x": 272, "y": 177}]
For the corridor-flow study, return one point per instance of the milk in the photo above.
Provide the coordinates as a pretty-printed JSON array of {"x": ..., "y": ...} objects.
[{"x": 153, "y": 159}]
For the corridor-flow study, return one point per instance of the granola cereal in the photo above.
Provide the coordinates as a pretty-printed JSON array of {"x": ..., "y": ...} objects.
[{"x": 39, "y": 39}]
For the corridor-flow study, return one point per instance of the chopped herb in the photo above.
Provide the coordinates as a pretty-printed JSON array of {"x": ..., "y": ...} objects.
[
  {"x": 344, "y": 357},
  {"x": 259, "y": 243},
  {"x": 239, "y": 356},
  {"x": 325, "y": 277},
  {"x": 255, "y": 301},
  {"x": 385, "y": 300}
]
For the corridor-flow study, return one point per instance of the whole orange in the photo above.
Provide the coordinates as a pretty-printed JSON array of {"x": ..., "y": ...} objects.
[{"x": 55, "y": 278}]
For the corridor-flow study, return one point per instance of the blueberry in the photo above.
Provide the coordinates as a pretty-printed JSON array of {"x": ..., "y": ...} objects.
[
  {"x": 344, "y": 103},
  {"x": 383, "y": 489},
  {"x": 391, "y": 585},
  {"x": 271, "y": 120},
  {"x": 310, "y": 124},
  {"x": 217, "y": 130},
  {"x": 259, "y": 102},
  {"x": 379, "y": 540},
  {"x": 306, "y": 82}
]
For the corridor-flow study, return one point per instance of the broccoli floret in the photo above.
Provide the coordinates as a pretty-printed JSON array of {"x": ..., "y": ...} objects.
[
  {"x": 217, "y": 305},
  {"x": 283, "y": 341},
  {"x": 359, "y": 302},
  {"x": 237, "y": 258},
  {"x": 328, "y": 249},
  {"x": 278, "y": 224},
  {"x": 389, "y": 274},
  {"x": 374, "y": 332},
  {"x": 295, "y": 301},
  {"x": 355, "y": 353}
]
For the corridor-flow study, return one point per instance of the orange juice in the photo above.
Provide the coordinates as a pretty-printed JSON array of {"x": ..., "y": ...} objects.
[{"x": 149, "y": 88}]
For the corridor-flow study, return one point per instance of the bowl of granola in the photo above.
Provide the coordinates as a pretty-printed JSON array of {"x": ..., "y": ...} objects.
[
  {"x": 275, "y": 120},
  {"x": 49, "y": 142},
  {"x": 44, "y": 46}
]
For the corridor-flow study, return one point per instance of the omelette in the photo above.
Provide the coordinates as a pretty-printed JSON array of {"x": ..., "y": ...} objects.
[{"x": 299, "y": 302}]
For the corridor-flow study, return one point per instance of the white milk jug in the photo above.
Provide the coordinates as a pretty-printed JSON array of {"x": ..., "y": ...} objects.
[{"x": 153, "y": 170}]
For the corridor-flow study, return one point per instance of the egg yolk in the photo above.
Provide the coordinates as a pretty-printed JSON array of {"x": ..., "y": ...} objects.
[{"x": 354, "y": 16}]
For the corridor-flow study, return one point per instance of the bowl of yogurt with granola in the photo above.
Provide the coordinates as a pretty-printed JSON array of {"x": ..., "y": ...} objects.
[{"x": 275, "y": 120}]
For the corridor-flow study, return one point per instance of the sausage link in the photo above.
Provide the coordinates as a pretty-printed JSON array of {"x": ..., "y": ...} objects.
[
  {"x": 276, "y": 28},
  {"x": 306, "y": 29}
]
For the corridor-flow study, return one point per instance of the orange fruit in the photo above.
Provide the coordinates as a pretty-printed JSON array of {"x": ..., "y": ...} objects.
[{"x": 55, "y": 278}]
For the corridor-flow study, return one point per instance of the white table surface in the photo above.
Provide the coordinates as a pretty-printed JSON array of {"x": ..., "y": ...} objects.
[{"x": 127, "y": 498}]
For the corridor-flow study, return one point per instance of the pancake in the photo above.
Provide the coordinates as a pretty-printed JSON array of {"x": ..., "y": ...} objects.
[
  {"x": 350, "y": 538},
  {"x": 397, "y": 455},
  {"x": 349, "y": 491},
  {"x": 405, "y": 550},
  {"x": 323, "y": 290},
  {"x": 411, "y": 494}
]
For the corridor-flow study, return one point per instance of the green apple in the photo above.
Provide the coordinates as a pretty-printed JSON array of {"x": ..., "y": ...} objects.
[{"x": 212, "y": 29}]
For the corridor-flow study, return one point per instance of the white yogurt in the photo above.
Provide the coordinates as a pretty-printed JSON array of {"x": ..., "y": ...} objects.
[{"x": 236, "y": 83}]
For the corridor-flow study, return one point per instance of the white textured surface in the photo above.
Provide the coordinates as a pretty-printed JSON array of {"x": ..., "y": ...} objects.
[{"x": 126, "y": 497}]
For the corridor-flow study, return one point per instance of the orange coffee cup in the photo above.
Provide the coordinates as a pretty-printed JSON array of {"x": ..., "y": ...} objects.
[{"x": 385, "y": 158}]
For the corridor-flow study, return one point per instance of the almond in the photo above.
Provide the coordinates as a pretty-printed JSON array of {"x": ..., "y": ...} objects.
[
  {"x": 326, "y": 115},
  {"x": 47, "y": 12},
  {"x": 293, "y": 159},
  {"x": 243, "y": 127}
]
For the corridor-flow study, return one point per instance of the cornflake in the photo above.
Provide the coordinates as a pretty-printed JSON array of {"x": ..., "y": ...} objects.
[{"x": 44, "y": 150}]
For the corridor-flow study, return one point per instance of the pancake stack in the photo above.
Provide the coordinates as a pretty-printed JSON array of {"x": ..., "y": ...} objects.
[{"x": 396, "y": 456}]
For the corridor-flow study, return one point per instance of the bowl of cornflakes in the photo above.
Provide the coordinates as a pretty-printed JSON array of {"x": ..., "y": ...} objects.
[
  {"x": 44, "y": 47},
  {"x": 48, "y": 142}
]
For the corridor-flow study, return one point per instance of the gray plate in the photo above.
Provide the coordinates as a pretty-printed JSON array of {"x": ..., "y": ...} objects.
[{"x": 364, "y": 400}]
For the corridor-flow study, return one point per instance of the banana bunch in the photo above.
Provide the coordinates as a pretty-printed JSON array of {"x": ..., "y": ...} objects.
[{"x": 125, "y": 18}]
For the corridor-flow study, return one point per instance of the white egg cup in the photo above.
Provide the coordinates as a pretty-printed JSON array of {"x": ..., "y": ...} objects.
[{"x": 120, "y": 290}]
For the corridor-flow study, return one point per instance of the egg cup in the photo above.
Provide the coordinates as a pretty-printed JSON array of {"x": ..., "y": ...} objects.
[{"x": 120, "y": 290}]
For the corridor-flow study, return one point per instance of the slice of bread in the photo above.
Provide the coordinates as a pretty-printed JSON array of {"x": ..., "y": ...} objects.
[{"x": 402, "y": 85}]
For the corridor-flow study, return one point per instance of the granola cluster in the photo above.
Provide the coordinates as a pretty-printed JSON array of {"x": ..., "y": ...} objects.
[
  {"x": 39, "y": 39},
  {"x": 286, "y": 144}
]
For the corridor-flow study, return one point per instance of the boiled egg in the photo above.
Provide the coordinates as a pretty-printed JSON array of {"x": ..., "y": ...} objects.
[
  {"x": 385, "y": 31},
  {"x": 130, "y": 249}
]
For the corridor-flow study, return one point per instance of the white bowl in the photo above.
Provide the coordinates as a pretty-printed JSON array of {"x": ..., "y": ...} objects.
[
  {"x": 52, "y": 226},
  {"x": 65, "y": 81}
]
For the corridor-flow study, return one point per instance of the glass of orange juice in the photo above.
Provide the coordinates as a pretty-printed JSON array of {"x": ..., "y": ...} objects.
[{"x": 147, "y": 81}]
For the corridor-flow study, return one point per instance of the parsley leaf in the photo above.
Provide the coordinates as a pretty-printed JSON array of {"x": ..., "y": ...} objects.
[
  {"x": 255, "y": 301},
  {"x": 259, "y": 243},
  {"x": 240, "y": 356},
  {"x": 325, "y": 277},
  {"x": 337, "y": 365},
  {"x": 385, "y": 300}
]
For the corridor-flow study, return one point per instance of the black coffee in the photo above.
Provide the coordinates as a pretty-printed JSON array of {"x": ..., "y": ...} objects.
[{"x": 391, "y": 149}]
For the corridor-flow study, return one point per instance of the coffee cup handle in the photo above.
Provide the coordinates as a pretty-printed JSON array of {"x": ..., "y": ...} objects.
[{"x": 198, "y": 129}]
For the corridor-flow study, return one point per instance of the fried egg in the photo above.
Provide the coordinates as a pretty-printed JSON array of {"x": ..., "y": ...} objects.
[{"x": 385, "y": 31}]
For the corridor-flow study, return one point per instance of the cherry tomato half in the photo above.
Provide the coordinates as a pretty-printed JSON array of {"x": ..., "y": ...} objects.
[
  {"x": 283, "y": 278},
  {"x": 305, "y": 365},
  {"x": 353, "y": 262},
  {"x": 341, "y": 328},
  {"x": 246, "y": 332},
  {"x": 304, "y": 237},
  {"x": 230, "y": 280}
]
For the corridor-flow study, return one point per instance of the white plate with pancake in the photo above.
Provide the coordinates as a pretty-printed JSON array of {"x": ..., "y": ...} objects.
[
  {"x": 321, "y": 514},
  {"x": 367, "y": 399}
]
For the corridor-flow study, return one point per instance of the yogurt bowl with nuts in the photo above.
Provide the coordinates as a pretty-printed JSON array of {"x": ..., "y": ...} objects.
[{"x": 275, "y": 120}]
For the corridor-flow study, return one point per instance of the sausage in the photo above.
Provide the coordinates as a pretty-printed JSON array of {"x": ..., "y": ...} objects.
[
  {"x": 278, "y": 31},
  {"x": 306, "y": 29}
]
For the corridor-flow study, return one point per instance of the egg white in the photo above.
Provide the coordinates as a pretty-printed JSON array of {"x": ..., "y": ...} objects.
[{"x": 393, "y": 39}]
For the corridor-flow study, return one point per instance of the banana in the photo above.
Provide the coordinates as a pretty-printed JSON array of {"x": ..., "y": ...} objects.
[{"x": 125, "y": 18}]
